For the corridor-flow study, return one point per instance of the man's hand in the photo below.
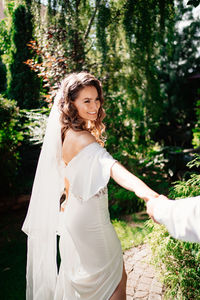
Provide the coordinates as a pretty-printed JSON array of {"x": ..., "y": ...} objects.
[{"x": 151, "y": 204}]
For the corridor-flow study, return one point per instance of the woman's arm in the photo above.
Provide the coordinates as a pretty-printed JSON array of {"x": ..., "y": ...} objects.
[{"x": 132, "y": 183}]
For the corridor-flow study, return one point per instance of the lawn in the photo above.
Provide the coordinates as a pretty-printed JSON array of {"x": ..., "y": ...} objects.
[{"x": 131, "y": 230}]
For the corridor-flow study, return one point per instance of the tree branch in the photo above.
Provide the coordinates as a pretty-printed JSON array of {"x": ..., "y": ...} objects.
[
  {"x": 77, "y": 5},
  {"x": 91, "y": 20}
]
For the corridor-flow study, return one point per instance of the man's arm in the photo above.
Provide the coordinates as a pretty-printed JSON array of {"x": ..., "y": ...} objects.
[{"x": 181, "y": 217}]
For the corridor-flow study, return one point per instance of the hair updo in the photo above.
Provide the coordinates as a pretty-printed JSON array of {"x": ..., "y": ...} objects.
[{"x": 70, "y": 88}]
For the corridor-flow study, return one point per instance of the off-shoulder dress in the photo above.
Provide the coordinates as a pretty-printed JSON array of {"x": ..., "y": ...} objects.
[{"x": 91, "y": 255}]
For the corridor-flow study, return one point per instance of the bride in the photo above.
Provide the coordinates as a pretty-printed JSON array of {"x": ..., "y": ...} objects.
[{"x": 73, "y": 158}]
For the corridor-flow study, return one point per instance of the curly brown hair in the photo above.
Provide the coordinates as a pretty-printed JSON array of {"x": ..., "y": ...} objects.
[{"x": 70, "y": 88}]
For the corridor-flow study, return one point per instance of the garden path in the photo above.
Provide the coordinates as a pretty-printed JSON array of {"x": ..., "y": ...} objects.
[{"x": 142, "y": 283}]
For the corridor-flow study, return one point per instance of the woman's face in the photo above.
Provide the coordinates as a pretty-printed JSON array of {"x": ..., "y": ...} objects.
[{"x": 88, "y": 103}]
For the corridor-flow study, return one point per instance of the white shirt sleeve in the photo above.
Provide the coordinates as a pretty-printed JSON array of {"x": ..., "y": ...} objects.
[{"x": 181, "y": 217}]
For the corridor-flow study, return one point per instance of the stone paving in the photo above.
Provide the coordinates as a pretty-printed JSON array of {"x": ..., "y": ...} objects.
[{"x": 142, "y": 283}]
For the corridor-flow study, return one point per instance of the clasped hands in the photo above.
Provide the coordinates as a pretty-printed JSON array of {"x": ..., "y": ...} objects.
[{"x": 151, "y": 204}]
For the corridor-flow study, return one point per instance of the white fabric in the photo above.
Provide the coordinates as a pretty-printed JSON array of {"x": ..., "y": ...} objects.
[
  {"x": 91, "y": 254},
  {"x": 181, "y": 217},
  {"x": 43, "y": 214},
  {"x": 89, "y": 171}
]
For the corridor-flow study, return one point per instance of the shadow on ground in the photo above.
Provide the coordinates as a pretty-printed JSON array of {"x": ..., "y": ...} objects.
[{"x": 12, "y": 255}]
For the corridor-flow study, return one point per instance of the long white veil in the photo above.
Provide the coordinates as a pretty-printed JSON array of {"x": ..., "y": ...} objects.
[{"x": 43, "y": 213}]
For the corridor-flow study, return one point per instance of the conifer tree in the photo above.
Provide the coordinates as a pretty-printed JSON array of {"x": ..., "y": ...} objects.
[
  {"x": 2, "y": 76},
  {"x": 24, "y": 85}
]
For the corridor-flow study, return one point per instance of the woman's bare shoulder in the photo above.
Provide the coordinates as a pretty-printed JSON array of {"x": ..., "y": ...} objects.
[
  {"x": 79, "y": 139},
  {"x": 74, "y": 142}
]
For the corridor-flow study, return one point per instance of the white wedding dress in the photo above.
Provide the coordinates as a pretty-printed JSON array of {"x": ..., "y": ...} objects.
[{"x": 91, "y": 255}]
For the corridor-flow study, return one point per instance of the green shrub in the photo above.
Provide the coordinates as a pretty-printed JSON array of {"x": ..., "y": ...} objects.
[
  {"x": 123, "y": 145},
  {"x": 148, "y": 166},
  {"x": 190, "y": 187},
  {"x": 196, "y": 130},
  {"x": 178, "y": 262},
  {"x": 10, "y": 141}
]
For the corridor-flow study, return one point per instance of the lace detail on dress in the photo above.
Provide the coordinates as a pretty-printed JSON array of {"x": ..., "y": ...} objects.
[{"x": 102, "y": 192}]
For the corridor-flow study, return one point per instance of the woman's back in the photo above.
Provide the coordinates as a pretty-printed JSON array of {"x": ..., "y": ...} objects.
[{"x": 74, "y": 142}]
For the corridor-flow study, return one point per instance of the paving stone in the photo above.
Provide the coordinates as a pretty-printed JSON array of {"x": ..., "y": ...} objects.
[
  {"x": 130, "y": 290},
  {"x": 154, "y": 297},
  {"x": 142, "y": 283},
  {"x": 140, "y": 294},
  {"x": 135, "y": 282},
  {"x": 138, "y": 257},
  {"x": 143, "y": 287},
  {"x": 156, "y": 289},
  {"x": 128, "y": 267},
  {"x": 130, "y": 258},
  {"x": 138, "y": 271},
  {"x": 140, "y": 265},
  {"x": 130, "y": 251},
  {"x": 150, "y": 268},
  {"x": 132, "y": 282},
  {"x": 134, "y": 276},
  {"x": 156, "y": 282},
  {"x": 149, "y": 275},
  {"x": 147, "y": 280},
  {"x": 143, "y": 252}
]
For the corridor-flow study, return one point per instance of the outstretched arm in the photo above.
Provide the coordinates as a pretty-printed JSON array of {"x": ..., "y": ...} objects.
[
  {"x": 181, "y": 217},
  {"x": 132, "y": 183}
]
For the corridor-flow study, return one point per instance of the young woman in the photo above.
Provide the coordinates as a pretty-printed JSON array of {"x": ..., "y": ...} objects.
[{"x": 73, "y": 155}]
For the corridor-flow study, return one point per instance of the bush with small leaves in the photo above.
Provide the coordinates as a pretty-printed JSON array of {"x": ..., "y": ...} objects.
[
  {"x": 10, "y": 140},
  {"x": 177, "y": 262}
]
